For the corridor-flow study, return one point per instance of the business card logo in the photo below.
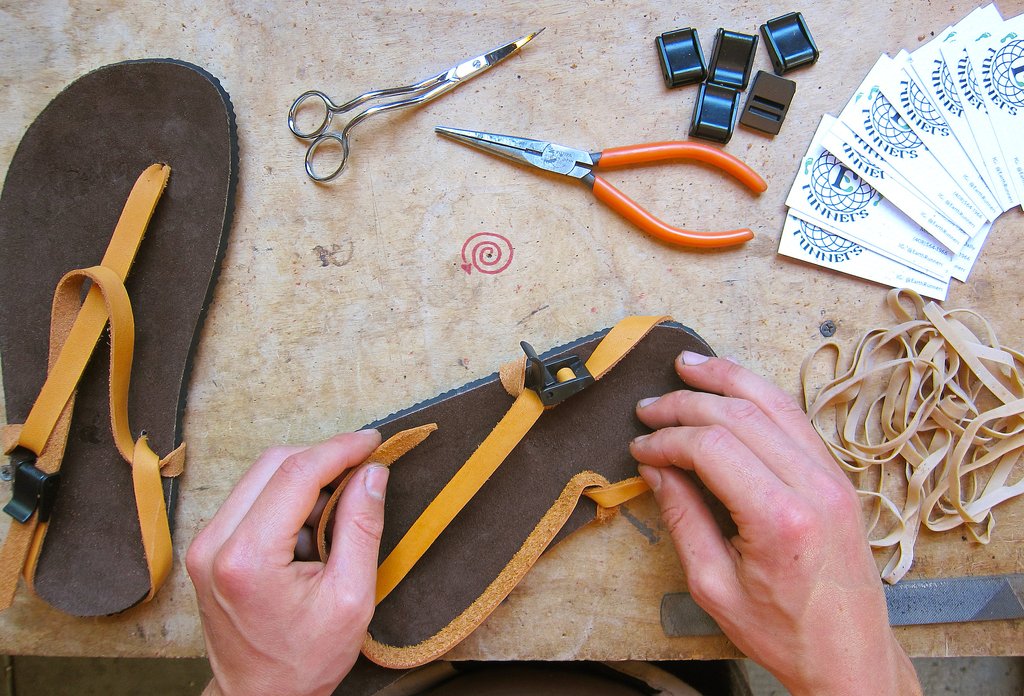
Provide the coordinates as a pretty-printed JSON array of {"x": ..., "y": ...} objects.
[
  {"x": 1003, "y": 72},
  {"x": 920, "y": 109},
  {"x": 888, "y": 131},
  {"x": 823, "y": 245},
  {"x": 945, "y": 88},
  {"x": 862, "y": 163},
  {"x": 969, "y": 86},
  {"x": 835, "y": 192}
]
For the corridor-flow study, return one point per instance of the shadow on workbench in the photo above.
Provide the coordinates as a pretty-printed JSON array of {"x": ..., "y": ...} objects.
[{"x": 55, "y": 676}]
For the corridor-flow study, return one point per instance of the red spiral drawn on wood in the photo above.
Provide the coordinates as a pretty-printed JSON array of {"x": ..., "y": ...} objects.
[{"x": 487, "y": 253}]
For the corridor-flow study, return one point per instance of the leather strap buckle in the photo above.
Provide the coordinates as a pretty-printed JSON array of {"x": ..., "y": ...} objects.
[
  {"x": 543, "y": 376},
  {"x": 34, "y": 490}
]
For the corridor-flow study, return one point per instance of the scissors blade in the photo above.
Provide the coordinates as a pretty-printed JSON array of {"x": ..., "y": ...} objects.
[
  {"x": 537, "y": 153},
  {"x": 475, "y": 66}
]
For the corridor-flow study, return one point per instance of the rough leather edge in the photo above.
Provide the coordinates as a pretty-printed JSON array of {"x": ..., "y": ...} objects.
[{"x": 465, "y": 623}]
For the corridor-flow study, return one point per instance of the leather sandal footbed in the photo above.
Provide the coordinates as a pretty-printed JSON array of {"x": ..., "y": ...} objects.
[
  {"x": 589, "y": 432},
  {"x": 62, "y": 196}
]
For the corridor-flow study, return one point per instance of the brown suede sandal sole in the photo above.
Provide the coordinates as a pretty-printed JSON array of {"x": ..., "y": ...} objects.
[
  {"x": 531, "y": 502},
  {"x": 64, "y": 191}
]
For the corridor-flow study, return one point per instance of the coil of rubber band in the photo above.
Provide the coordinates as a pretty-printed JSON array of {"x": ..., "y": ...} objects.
[{"x": 928, "y": 416}]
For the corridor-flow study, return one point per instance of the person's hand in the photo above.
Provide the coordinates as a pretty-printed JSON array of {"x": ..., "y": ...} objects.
[
  {"x": 797, "y": 589},
  {"x": 274, "y": 625}
]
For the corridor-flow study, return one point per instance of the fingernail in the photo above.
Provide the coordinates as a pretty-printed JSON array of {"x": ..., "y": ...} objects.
[
  {"x": 733, "y": 360},
  {"x": 647, "y": 402},
  {"x": 368, "y": 433},
  {"x": 651, "y": 476},
  {"x": 376, "y": 480},
  {"x": 640, "y": 438},
  {"x": 691, "y": 358}
]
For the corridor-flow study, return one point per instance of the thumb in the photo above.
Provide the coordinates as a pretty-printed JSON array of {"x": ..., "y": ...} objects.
[{"x": 358, "y": 523}]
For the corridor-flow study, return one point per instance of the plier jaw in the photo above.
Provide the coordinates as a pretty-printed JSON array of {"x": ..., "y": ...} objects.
[
  {"x": 563, "y": 160},
  {"x": 542, "y": 154}
]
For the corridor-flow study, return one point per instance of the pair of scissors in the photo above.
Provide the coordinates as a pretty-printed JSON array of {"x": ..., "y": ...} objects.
[
  {"x": 580, "y": 164},
  {"x": 422, "y": 92}
]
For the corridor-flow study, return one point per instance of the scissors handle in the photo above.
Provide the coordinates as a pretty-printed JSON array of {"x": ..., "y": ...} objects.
[
  {"x": 319, "y": 141},
  {"x": 329, "y": 108},
  {"x": 653, "y": 152}
]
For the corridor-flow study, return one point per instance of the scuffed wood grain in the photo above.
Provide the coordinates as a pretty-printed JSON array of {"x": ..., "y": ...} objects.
[{"x": 339, "y": 304}]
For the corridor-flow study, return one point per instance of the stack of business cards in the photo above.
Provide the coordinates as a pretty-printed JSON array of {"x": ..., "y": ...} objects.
[{"x": 902, "y": 188}]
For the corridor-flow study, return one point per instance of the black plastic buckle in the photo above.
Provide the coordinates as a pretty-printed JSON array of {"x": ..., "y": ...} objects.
[
  {"x": 541, "y": 376},
  {"x": 731, "y": 59},
  {"x": 768, "y": 103},
  {"x": 682, "y": 60},
  {"x": 789, "y": 41},
  {"x": 34, "y": 490},
  {"x": 714, "y": 114}
]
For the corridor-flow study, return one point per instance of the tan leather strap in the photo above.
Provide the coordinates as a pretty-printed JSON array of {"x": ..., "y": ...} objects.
[
  {"x": 146, "y": 479},
  {"x": 458, "y": 491},
  {"x": 387, "y": 453},
  {"x": 80, "y": 328},
  {"x": 524, "y": 412},
  {"x": 513, "y": 377},
  {"x": 616, "y": 494},
  {"x": 930, "y": 415},
  {"x": 74, "y": 332},
  {"x": 152, "y": 509}
]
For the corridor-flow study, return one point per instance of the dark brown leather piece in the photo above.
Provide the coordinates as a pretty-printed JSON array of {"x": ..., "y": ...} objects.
[
  {"x": 63, "y": 194},
  {"x": 541, "y": 680},
  {"x": 709, "y": 677},
  {"x": 591, "y": 431}
]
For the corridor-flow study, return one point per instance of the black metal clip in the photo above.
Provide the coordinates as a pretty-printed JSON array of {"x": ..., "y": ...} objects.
[
  {"x": 541, "y": 376},
  {"x": 34, "y": 490}
]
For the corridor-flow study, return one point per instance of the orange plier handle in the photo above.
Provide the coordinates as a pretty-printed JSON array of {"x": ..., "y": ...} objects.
[{"x": 653, "y": 152}]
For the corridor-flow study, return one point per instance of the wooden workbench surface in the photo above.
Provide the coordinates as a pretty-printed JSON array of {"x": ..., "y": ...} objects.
[{"x": 339, "y": 304}]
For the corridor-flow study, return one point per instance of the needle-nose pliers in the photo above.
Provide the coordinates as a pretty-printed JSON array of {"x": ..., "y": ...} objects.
[{"x": 581, "y": 164}]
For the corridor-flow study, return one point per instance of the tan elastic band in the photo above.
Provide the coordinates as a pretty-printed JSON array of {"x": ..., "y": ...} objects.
[{"x": 931, "y": 404}]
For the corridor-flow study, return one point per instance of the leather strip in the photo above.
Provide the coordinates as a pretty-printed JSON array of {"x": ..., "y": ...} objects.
[
  {"x": 936, "y": 407},
  {"x": 153, "y": 524},
  {"x": 616, "y": 494},
  {"x": 524, "y": 559},
  {"x": 109, "y": 291},
  {"x": 45, "y": 430},
  {"x": 387, "y": 453},
  {"x": 149, "y": 498},
  {"x": 87, "y": 324},
  {"x": 524, "y": 412},
  {"x": 513, "y": 378},
  {"x": 21, "y": 547}
]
